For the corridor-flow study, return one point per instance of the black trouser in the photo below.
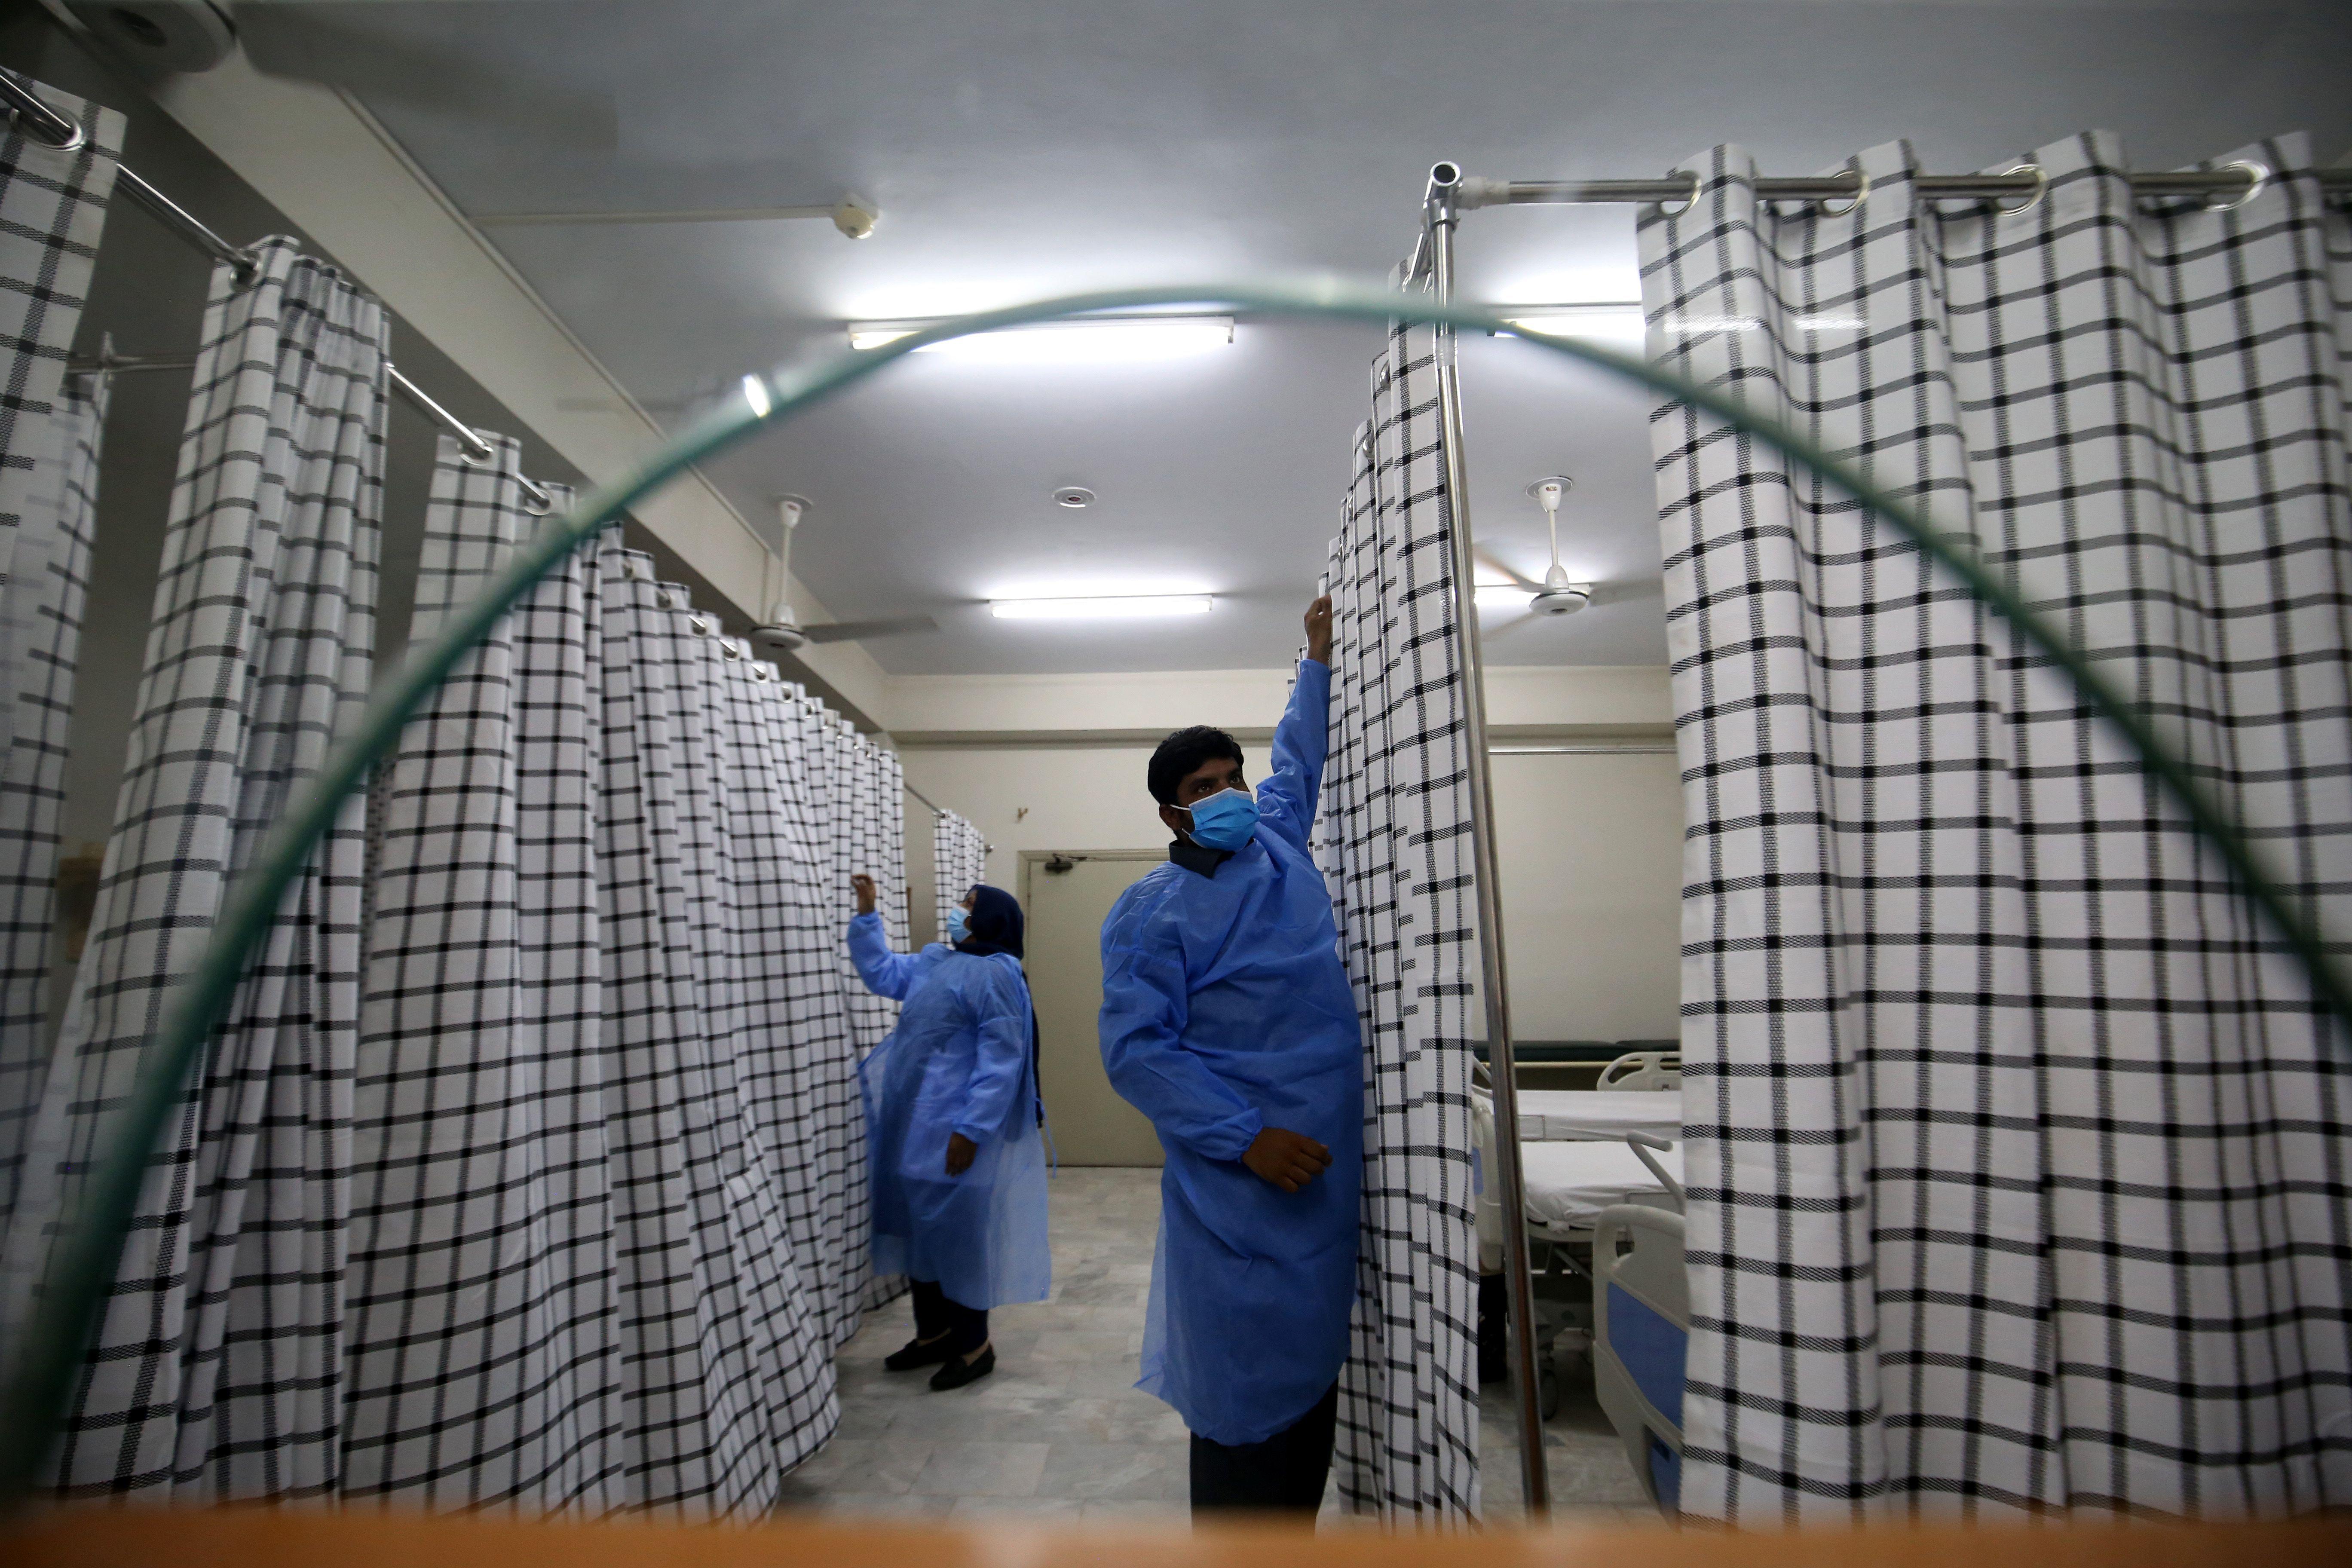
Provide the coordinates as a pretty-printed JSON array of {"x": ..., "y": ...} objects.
[
  {"x": 935, "y": 1315},
  {"x": 1286, "y": 1472}
]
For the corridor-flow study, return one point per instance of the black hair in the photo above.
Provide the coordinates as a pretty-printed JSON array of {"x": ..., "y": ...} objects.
[
  {"x": 995, "y": 922},
  {"x": 1182, "y": 752}
]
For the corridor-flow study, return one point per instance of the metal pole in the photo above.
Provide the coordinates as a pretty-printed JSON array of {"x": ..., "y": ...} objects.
[
  {"x": 1518, "y": 1281},
  {"x": 184, "y": 223},
  {"x": 483, "y": 451},
  {"x": 2234, "y": 182}
]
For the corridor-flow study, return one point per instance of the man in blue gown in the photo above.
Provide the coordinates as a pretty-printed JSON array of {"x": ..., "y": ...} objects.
[{"x": 1228, "y": 1020}]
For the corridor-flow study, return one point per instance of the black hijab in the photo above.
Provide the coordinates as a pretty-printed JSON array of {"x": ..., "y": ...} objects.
[
  {"x": 994, "y": 926},
  {"x": 994, "y": 923}
]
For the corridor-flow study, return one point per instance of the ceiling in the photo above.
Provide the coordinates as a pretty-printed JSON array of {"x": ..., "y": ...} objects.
[{"x": 1022, "y": 148}]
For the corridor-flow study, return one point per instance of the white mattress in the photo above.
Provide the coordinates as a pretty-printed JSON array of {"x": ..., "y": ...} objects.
[
  {"x": 1557, "y": 1115},
  {"x": 1569, "y": 1183}
]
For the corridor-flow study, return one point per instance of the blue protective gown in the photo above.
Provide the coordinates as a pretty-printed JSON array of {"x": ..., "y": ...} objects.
[
  {"x": 1226, "y": 1010},
  {"x": 957, "y": 1062}
]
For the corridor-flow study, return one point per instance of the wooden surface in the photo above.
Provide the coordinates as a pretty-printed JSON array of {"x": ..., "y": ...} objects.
[{"x": 256, "y": 1538}]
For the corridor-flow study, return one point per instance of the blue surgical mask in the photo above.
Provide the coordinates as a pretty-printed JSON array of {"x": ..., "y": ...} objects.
[
  {"x": 1225, "y": 820},
  {"x": 958, "y": 928}
]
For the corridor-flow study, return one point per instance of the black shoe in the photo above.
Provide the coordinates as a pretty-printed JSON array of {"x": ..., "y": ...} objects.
[
  {"x": 959, "y": 1372},
  {"x": 919, "y": 1353}
]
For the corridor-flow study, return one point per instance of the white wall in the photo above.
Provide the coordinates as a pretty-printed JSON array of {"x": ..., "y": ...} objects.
[
  {"x": 1591, "y": 857},
  {"x": 1046, "y": 797},
  {"x": 928, "y": 709},
  {"x": 330, "y": 168},
  {"x": 1590, "y": 844}
]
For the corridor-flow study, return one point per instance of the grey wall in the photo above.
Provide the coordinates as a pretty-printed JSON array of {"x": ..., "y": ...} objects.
[{"x": 148, "y": 295}]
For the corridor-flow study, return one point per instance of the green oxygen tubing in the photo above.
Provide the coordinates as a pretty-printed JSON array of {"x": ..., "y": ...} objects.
[{"x": 81, "y": 1270}]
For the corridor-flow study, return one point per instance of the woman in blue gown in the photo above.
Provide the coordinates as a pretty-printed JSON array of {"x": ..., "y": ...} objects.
[{"x": 956, "y": 1167}]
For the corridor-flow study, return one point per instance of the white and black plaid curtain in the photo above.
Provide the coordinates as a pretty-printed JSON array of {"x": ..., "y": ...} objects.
[
  {"x": 1393, "y": 840},
  {"x": 52, "y": 209},
  {"x": 217, "y": 1370},
  {"x": 483, "y": 1300},
  {"x": 2019, "y": 1169},
  {"x": 898, "y": 908},
  {"x": 959, "y": 860},
  {"x": 724, "y": 1382},
  {"x": 613, "y": 1184},
  {"x": 882, "y": 856},
  {"x": 827, "y": 742}
]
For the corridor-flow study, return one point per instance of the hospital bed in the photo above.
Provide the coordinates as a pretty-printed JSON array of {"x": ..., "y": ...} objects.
[
  {"x": 1562, "y": 1115},
  {"x": 1606, "y": 1245},
  {"x": 1641, "y": 1308},
  {"x": 1572, "y": 1181}
]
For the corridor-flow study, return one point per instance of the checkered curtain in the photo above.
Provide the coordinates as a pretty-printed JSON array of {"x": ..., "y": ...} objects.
[
  {"x": 52, "y": 207},
  {"x": 1394, "y": 842},
  {"x": 215, "y": 1372},
  {"x": 959, "y": 860},
  {"x": 606, "y": 1059},
  {"x": 825, "y": 741},
  {"x": 482, "y": 1359},
  {"x": 804, "y": 1046},
  {"x": 897, "y": 904},
  {"x": 724, "y": 1384},
  {"x": 2019, "y": 1169},
  {"x": 40, "y": 619},
  {"x": 876, "y": 794}
]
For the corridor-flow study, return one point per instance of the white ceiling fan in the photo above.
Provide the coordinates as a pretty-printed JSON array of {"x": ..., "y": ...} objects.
[
  {"x": 781, "y": 633},
  {"x": 1555, "y": 595}
]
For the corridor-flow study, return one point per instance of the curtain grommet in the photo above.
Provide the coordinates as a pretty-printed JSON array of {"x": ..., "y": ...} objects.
[
  {"x": 2258, "y": 179},
  {"x": 26, "y": 124},
  {"x": 2041, "y": 189},
  {"x": 1690, "y": 201},
  {"x": 1860, "y": 197}
]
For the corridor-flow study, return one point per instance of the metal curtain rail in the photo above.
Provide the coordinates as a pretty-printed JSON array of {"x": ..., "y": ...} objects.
[
  {"x": 464, "y": 432},
  {"x": 2231, "y": 185},
  {"x": 1518, "y": 1281},
  {"x": 45, "y": 125}
]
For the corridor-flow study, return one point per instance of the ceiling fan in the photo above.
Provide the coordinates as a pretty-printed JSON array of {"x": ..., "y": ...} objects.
[
  {"x": 330, "y": 42},
  {"x": 782, "y": 633},
  {"x": 1555, "y": 595}
]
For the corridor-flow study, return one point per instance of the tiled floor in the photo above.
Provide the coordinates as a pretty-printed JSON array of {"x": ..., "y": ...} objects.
[{"x": 1060, "y": 1431}]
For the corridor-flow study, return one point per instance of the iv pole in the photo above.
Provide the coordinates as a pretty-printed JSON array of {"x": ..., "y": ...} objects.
[{"x": 1442, "y": 209}]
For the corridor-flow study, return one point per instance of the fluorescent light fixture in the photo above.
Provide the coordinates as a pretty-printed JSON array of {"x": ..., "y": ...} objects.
[
  {"x": 1623, "y": 323},
  {"x": 1102, "y": 606},
  {"x": 1089, "y": 339},
  {"x": 1611, "y": 321},
  {"x": 755, "y": 393}
]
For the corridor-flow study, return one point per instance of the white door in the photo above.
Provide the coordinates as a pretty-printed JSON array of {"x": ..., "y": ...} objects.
[{"x": 1092, "y": 1125}]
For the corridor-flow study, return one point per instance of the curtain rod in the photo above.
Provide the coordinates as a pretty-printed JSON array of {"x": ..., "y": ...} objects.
[
  {"x": 45, "y": 125},
  {"x": 943, "y": 810},
  {"x": 2231, "y": 185},
  {"x": 108, "y": 363}
]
